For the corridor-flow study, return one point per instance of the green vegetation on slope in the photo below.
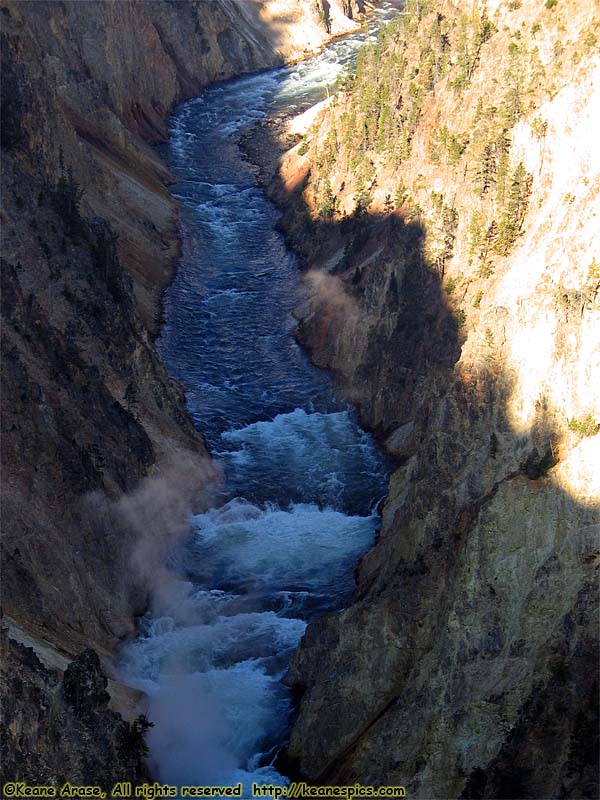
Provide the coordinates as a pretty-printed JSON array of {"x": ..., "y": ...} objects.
[{"x": 419, "y": 97}]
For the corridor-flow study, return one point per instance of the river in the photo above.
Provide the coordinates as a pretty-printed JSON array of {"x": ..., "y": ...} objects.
[{"x": 302, "y": 481}]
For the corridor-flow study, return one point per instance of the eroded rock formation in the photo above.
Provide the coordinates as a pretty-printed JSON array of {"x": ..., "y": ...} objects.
[
  {"x": 452, "y": 254},
  {"x": 63, "y": 730}
]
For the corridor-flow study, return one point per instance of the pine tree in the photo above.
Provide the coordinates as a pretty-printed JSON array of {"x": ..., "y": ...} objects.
[
  {"x": 485, "y": 170},
  {"x": 511, "y": 221},
  {"x": 476, "y": 232},
  {"x": 67, "y": 198},
  {"x": 487, "y": 247},
  {"x": 329, "y": 203},
  {"x": 362, "y": 200},
  {"x": 515, "y": 79},
  {"x": 401, "y": 194}
]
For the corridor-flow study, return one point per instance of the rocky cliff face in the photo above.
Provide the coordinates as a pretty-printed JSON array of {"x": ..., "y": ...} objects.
[
  {"x": 62, "y": 730},
  {"x": 99, "y": 81},
  {"x": 93, "y": 428},
  {"x": 452, "y": 256}
]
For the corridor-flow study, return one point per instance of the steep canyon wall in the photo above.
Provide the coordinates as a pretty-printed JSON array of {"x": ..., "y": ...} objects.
[
  {"x": 445, "y": 205},
  {"x": 89, "y": 239}
]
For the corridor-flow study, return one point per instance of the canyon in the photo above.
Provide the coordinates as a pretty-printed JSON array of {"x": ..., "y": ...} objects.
[
  {"x": 446, "y": 222},
  {"x": 94, "y": 431}
]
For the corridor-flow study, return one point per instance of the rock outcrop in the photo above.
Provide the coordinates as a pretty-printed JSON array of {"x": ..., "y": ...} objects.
[
  {"x": 452, "y": 259},
  {"x": 57, "y": 731}
]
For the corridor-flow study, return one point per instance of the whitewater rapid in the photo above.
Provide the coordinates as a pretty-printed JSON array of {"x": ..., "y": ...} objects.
[{"x": 302, "y": 481}]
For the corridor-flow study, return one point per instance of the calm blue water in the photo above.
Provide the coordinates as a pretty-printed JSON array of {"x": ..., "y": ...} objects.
[{"x": 302, "y": 480}]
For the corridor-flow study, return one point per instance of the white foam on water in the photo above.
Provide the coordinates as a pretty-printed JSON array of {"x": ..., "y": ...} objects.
[
  {"x": 302, "y": 547},
  {"x": 212, "y": 668},
  {"x": 170, "y": 646},
  {"x": 229, "y": 216},
  {"x": 214, "y": 695},
  {"x": 300, "y": 430},
  {"x": 316, "y": 453},
  {"x": 208, "y": 723}
]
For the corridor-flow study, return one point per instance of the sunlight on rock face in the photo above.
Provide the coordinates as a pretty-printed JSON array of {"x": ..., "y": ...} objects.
[
  {"x": 553, "y": 335},
  {"x": 531, "y": 354},
  {"x": 580, "y": 472}
]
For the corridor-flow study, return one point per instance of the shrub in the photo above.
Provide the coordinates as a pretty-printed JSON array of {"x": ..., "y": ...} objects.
[
  {"x": 450, "y": 286},
  {"x": 135, "y": 740},
  {"x": 539, "y": 127},
  {"x": 460, "y": 317},
  {"x": 585, "y": 427},
  {"x": 551, "y": 3},
  {"x": 559, "y": 668}
]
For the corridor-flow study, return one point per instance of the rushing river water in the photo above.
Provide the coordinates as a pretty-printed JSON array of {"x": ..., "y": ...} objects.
[{"x": 301, "y": 479}]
